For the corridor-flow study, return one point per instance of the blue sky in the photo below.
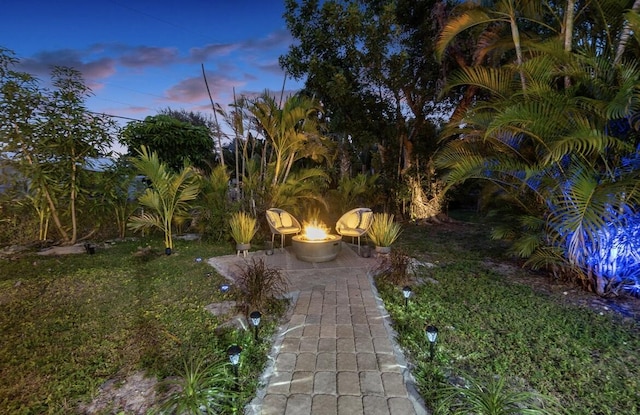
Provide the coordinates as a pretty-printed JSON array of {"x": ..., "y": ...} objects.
[{"x": 140, "y": 56}]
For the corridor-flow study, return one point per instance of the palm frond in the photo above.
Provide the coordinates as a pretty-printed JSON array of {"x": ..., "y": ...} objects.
[
  {"x": 459, "y": 24},
  {"x": 500, "y": 82},
  {"x": 583, "y": 142}
]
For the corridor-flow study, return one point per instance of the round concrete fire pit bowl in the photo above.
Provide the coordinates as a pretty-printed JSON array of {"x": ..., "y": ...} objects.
[{"x": 323, "y": 250}]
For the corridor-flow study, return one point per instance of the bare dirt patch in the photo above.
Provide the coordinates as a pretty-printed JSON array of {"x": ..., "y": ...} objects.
[{"x": 133, "y": 395}]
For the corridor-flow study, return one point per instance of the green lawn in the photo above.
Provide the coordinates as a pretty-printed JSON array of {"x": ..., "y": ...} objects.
[
  {"x": 587, "y": 361},
  {"x": 69, "y": 323}
]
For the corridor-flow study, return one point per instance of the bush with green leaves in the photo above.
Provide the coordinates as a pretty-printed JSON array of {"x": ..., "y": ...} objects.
[
  {"x": 243, "y": 227},
  {"x": 212, "y": 207},
  {"x": 383, "y": 230},
  {"x": 168, "y": 200}
]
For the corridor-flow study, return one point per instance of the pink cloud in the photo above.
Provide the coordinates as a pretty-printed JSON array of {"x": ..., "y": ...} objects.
[
  {"x": 192, "y": 90},
  {"x": 276, "y": 39},
  {"x": 272, "y": 67},
  {"x": 143, "y": 56},
  {"x": 41, "y": 64},
  {"x": 212, "y": 50}
]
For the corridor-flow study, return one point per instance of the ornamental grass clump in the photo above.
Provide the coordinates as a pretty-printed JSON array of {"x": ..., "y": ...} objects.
[
  {"x": 493, "y": 398},
  {"x": 202, "y": 387},
  {"x": 243, "y": 227},
  {"x": 383, "y": 230},
  {"x": 261, "y": 286}
]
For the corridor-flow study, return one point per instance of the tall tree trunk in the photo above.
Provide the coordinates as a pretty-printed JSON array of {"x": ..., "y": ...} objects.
[
  {"x": 72, "y": 201},
  {"x": 215, "y": 115},
  {"x": 52, "y": 206},
  {"x": 568, "y": 34},
  {"x": 515, "y": 36},
  {"x": 235, "y": 133},
  {"x": 626, "y": 33}
]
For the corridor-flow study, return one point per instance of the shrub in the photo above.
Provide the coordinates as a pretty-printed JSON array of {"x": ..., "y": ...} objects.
[
  {"x": 259, "y": 286},
  {"x": 383, "y": 231},
  {"x": 201, "y": 388},
  {"x": 243, "y": 227},
  {"x": 493, "y": 398}
]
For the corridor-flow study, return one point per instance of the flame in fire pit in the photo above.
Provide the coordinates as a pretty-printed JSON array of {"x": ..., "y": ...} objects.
[{"x": 315, "y": 231}]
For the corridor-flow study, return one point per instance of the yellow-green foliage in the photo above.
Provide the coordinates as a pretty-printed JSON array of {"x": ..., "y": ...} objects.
[
  {"x": 383, "y": 231},
  {"x": 243, "y": 227}
]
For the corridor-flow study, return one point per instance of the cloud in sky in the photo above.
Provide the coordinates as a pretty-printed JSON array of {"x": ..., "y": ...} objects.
[{"x": 142, "y": 58}]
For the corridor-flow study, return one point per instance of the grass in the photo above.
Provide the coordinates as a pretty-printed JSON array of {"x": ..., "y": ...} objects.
[
  {"x": 69, "y": 323},
  {"x": 488, "y": 326}
]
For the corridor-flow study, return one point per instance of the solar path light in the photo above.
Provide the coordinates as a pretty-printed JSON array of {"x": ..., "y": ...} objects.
[
  {"x": 255, "y": 321},
  {"x": 406, "y": 293},
  {"x": 432, "y": 336}
]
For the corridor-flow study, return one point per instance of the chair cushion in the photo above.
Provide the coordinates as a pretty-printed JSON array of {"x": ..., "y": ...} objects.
[
  {"x": 274, "y": 218},
  {"x": 365, "y": 220},
  {"x": 289, "y": 229},
  {"x": 286, "y": 219},
  {"x": 352, "y": 220},
  {"x": 351, "y": 232}
]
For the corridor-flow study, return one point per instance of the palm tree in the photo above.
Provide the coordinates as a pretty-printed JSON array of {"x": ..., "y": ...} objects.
[
  {"x": 168, "y": 196},
  {"x": 288, "y": 130},
  {"x": 553, "y": 151},
  {"x": 292, "y": 134},
  {"x": 500, "y": 35}
]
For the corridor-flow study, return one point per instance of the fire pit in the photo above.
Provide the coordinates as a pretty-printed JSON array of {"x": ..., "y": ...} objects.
[{"x": 315, "y": 244}]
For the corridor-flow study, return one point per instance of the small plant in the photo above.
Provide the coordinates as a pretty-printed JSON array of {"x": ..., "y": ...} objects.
[
  {"x": 260, "y": 285},
  {"x": 494, "y": 398},
  {"x": 168, "y": 200},
  {"x": 201, "y": 388},
  {"x": 383, "y": 231},
  {"x": 243, "y": 227}
]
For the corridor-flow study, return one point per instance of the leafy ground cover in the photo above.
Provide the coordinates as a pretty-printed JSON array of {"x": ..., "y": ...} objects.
[
  {"x": 70, "y": 323},
  {"x": 491, "y": 325}
]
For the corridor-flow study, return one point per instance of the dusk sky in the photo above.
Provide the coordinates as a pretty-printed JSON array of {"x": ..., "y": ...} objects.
[{"x": 140, "y": 56}]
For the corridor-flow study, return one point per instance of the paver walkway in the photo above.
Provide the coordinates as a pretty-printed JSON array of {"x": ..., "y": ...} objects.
[{"x": 336, "y": 353}]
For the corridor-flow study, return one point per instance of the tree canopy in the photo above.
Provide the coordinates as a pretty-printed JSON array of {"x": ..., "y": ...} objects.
[
  {"x": 48, "y": 136},
  {"x": 372, "y": 65},
  {"x": 553, "y": 132},
  {"x": 174, "y": 141}
]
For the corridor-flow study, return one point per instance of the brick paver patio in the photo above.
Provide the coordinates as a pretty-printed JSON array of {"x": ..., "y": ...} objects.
[{"x": 335, "y": 354}]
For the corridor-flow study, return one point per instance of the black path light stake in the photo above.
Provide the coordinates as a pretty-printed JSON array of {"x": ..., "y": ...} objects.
[
  {"x": 255, "y": 320},
  {"x": 432, "y": 336},
  {"x": 406, "y": 292},
  {"x": 234, "y": 357}
]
